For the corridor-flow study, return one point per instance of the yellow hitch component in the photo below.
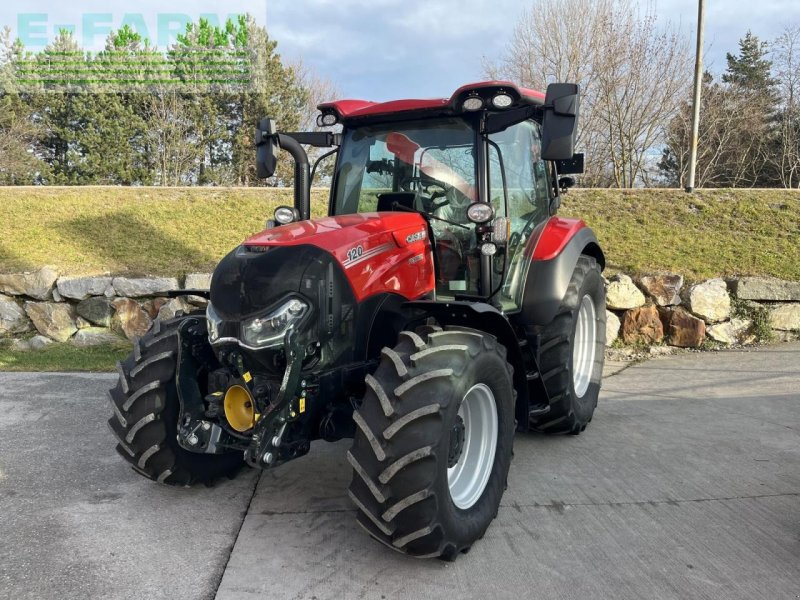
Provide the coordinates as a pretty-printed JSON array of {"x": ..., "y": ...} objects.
[{"x": 240, "y": 410}]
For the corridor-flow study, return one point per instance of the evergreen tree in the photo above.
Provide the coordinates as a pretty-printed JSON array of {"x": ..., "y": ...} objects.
[{"x": 750, "y": 69}]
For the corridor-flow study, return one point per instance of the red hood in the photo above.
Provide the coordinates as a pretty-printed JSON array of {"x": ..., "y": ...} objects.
[
  {"x": 340, "y": 234},
  {"x": 372, "y": 248}
]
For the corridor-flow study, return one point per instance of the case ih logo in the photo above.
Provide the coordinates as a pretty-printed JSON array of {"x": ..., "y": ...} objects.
[{"x": 416, "y": 237}]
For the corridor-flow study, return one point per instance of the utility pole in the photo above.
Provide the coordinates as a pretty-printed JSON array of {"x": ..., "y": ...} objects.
[{"x": 698, "y": 86}]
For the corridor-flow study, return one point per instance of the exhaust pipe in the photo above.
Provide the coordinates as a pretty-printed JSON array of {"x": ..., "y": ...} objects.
[{"x": 302, "y": 175}]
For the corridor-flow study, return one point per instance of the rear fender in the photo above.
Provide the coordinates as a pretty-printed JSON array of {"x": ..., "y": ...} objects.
[
  {"x": 554, "y": 254},
  {"x": 484, "y": 317}
]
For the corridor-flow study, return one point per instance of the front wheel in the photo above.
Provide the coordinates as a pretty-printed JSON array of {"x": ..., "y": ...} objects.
[
  {"x": 572, "y": 352},
  {"x": 145, "y": 410},
  {"x": 433, "y": 443}
]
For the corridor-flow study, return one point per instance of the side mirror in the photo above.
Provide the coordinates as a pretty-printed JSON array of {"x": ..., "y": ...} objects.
[
  {"x": 266, "y": 149},
  {"x": 560, "y": 123}
]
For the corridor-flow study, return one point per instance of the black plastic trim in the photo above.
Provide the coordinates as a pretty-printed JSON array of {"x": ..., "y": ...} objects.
[{"x": 547, "y": 280}]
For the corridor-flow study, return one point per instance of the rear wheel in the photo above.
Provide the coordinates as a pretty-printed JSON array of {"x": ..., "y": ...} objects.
[
  {"x": 145, "y": 411},
  {"x": 433, "y": 442},
  {"x": 572, "y": 352}
]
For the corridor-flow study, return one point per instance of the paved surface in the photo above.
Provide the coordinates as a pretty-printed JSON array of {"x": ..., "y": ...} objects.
[
  {"x": 75, "y": 522},
  {"x": 685, "y": 485}
]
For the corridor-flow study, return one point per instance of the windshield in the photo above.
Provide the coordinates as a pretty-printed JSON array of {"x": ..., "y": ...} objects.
[
  {"x": 428, "y": 158},
  {"x": 427, "y": 165}
]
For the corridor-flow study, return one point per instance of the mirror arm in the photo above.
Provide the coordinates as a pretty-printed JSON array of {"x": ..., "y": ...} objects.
[{"x": 318, "y": 139}]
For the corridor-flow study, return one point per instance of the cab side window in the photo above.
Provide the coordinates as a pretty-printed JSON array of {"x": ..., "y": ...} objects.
[
  {"x": 518, "y": 162},
  {"x": 518, "y": 178}
]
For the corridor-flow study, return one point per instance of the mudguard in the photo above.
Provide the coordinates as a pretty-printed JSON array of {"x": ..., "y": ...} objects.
[{"x": 554, "y": 254}]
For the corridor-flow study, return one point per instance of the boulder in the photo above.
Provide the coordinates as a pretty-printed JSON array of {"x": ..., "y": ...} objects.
[
  {"x": 197, "y": 301},
  {"x": 144, "y": 286},
  {"x": 80, "y": 288},
  {"x": 173, "y": 307},
  {"x": 154, "y": 305},
  {"x": 766, "y": 288},
  {"x": 623, "y": 294},
  {"x": 130, "y": 318},
  {"x": 12, "y": 318},
  {"x": 709, "y": 300},
  {"x": 785, "y": 317},
  {"x": 735, "y": 331},
  {"x": 683, "y": 329},
  {"x": 38, "y": 342},
  {"x": 37, "y": 285},
  {"x": 98, "y": 310},
  {"x": 20, "y": 345},
  {"x": 612, "y": 327},
  {"x": 95, "y": 336},
  {"x": 53, "y": 319},
  {"x": 642, "y": 326},
  {"x": 197, "y": 281},
  {"x": 664, "y": 289}
]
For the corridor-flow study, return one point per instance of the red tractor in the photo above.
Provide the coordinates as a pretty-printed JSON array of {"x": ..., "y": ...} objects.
[{"x": 440, "y": 307}]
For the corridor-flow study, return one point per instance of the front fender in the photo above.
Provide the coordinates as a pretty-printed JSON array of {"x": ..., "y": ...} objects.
[{"x": 553, "y": 257}]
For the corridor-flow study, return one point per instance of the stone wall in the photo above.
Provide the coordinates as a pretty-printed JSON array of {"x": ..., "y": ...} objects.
[
  {"x": 652, "y": 310},
  {"x": 663, "y": 309},
  {"x": 87, "y": 311}
]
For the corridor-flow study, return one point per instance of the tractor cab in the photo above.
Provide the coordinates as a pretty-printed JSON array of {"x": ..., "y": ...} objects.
[{"x": 474, "y": 166}]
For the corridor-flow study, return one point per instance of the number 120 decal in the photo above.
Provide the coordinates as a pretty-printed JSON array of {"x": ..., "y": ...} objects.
[{"x": 355, "y": 253}]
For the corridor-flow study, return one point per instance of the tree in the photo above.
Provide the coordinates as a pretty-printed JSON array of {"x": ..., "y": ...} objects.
[
  {"x": 739, "y": 125},
  {"x": 18, "y": 164},
  {"x": 132, "y": 114},
  {"x": 750, "y": 69},
  {"x": 786, "y": 155},
  {"x": 632, "y": 73},
  {"x": 726, "y": 141}
]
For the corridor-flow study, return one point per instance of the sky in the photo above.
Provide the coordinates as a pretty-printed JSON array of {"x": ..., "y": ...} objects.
[{"x": 385, "y": 49}]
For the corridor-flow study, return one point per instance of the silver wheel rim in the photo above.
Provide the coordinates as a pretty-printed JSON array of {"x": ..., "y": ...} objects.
[
  {"x": 468, "y": 477},
  {"x": 584, "y": 346}
]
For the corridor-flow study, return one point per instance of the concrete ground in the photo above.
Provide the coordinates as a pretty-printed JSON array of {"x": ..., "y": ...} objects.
[{"x": 685, "y": 485}]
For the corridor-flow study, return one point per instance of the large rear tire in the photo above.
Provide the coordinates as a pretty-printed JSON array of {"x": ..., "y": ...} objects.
[
  {"x": 145, "y": 410},
  {"x": 572, "y": 352},
  {"x": 433, "y": 442}
]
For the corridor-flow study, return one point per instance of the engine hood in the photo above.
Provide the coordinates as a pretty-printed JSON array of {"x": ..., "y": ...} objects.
[
  {"x": 352, "y": 256},
  {"x": 342, "y": 235}
]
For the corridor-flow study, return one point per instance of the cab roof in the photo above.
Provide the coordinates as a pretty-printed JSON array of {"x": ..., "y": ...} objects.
[{"x": 485, "y": 91}]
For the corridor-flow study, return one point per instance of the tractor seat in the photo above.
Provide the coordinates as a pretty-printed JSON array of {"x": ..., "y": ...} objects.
[{"x": 386, "y": 201}]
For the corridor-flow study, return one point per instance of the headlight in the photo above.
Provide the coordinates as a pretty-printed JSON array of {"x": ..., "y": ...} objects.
[
  {"x": 480, "y": 212},
  {"x": 266, "y": 331},
  {"x": 213, "y": 323}
]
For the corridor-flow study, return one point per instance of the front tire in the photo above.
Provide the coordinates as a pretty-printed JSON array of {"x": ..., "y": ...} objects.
[
  {"x": 572, "y": 352},
  {"x": 145, "y": 410},
  {"x": 433, "y": 442}
]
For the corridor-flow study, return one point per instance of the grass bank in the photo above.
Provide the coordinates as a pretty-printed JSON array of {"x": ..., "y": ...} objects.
[
  {"x": 64, "y": 357},
  {"x": 171, "y": 231}
]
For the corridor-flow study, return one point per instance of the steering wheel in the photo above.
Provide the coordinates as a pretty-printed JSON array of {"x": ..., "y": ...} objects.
[{"x": 429, "y": 203}]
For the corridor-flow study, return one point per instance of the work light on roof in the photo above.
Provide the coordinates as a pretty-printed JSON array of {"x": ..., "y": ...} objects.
[
  {"x": 329, "y": 119},
  {"x": 502, "y": 100},
  {"x": 473, "y": 103}
]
